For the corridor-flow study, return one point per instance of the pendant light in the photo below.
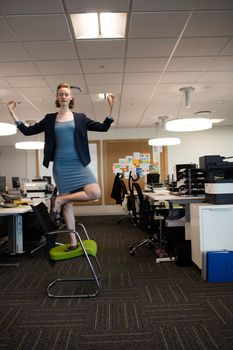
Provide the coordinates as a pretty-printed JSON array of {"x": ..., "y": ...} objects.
[
  {"x": 7, "y": 129},
  {"x": 188, "y": 124},
  {"x": 30, "y": 145},
  {"x": 163, "y": 141}
]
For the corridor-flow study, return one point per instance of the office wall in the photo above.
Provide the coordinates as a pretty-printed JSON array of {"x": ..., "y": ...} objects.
[
  {"x": 15, "y": 162},
  {"x": 218, "y": 140}
]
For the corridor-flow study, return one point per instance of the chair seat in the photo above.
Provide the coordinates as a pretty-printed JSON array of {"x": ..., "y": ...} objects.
[{"x": 60, "y": 252}]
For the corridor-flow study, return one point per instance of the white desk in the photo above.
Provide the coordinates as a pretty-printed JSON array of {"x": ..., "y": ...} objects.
[
  {"x": 15, "y": 224},
  {"x": 164, "y": 196},
  {"x": 15, "y": 227}
]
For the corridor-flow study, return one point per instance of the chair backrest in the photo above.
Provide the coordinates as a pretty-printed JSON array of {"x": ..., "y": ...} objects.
[
  {"x": 41, "y": 212},
  {"x": 48, "y": 225}
]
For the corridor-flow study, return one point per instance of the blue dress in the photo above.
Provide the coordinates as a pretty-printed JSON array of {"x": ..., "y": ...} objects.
[{"x": 69, "y": 173}]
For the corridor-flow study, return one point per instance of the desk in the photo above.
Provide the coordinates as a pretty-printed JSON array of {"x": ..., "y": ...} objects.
[
  {"x": 15, "y": 227},
  {"x": 15, "y": 224},
  {"x": 185, "y": 200}
]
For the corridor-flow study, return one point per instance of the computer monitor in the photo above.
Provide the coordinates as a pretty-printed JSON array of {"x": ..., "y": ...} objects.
[
  {"x": 15, "y": 182},
  {"x": 2, "y": 184},
  {"x": 152, "y": 179}
]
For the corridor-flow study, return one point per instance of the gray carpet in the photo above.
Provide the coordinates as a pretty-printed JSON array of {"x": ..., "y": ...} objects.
[{"x": 141, "y": 304}]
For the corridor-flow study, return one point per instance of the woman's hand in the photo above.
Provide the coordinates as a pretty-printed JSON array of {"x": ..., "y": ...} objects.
[
  {"x": 111, "y": 99},
  {"x": 11, "y": 105}
]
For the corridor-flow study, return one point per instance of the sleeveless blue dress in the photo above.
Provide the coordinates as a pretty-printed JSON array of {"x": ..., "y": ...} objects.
[{"x": 69, "y": 173}]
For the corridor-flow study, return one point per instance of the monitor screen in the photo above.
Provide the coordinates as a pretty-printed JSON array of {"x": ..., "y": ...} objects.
[
  {"x": 15, "y": 182},
  {"x": 152, "y": 179},
  {"x": 2, "y": 184}
]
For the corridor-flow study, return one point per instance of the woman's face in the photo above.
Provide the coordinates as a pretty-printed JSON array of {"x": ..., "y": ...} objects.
[{"x": 64, "y": 96}]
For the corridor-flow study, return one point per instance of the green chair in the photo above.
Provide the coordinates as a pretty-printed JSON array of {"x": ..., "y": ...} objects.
[{"x": 86, "y": 249}]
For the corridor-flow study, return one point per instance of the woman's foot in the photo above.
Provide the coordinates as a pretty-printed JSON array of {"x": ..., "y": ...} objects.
[
  {"x": 57, "y": 204},
  {"x": 71, "y": 248}
]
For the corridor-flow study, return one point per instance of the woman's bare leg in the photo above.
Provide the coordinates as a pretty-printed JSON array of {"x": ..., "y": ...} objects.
[
  {"x": 90, "y": 192},
  {"x": 68, "y": 213}
]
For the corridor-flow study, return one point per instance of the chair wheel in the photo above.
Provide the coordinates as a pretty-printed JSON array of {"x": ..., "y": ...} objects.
[{"x": 132, "y": 252}]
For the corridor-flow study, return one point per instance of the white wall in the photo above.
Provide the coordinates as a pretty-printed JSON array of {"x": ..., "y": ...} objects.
[{"x": 218, "y": 140}]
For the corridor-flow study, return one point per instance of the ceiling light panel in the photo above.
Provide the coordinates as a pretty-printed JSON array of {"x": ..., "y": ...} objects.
[{"x": 99, "y": 25}]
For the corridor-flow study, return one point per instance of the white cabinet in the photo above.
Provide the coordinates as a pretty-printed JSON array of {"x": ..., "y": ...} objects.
[{"x": 211, "y": 228}]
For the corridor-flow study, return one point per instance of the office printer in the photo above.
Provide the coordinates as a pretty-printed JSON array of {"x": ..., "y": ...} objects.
[
  {"x": 35, "y": 189},
  {"x": 219, "y": 179}
]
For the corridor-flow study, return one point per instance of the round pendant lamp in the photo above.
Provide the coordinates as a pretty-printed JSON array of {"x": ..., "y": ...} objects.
[
  {"x": 188, "y": 124},
  {"x": 29, "y": 145},
  {"x": 163, "y": 141},
  {"x": 7, "y": 129}
]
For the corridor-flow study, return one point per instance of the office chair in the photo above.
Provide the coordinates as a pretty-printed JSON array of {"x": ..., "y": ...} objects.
[
  {"x": 126, "y": 198},
  {"x": 87, "y": 249},
  {"x": 147, "y": 218}
]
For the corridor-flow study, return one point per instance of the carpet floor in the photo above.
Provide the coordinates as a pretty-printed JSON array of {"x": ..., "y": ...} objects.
[{"x": 141, "y": 304}]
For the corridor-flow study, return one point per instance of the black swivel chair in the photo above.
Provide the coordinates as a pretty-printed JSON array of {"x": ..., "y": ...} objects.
[
  {"x": 147, "y": 218},
  {"x": 86, "y": 249},
  {"x": 126, "y": 200}
]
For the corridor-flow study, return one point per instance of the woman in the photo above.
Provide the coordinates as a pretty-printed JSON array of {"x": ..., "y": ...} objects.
[{"x": 66, "y": 145}]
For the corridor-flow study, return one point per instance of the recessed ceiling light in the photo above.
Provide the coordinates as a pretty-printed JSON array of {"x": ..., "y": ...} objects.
[{"x": 99, "y": 25}]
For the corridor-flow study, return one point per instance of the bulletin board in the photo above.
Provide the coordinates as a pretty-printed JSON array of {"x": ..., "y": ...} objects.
[{"x": 115, "y": 150}]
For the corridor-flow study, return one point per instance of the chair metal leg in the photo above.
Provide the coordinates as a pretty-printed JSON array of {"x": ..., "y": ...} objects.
[
  {"x": 96, "y": 279},
  {"x": 38, "y": 248},
  {"x": 10, "y": 264},
  {"x": 95, "y": 272}
]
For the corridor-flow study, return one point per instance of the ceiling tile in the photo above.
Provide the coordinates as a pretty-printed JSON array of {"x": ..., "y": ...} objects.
[
  {"x": 101, "y": 48},
  {"x": 59, "y": 67},
  {"x": 155, "y": 25},
  {"x": 12, "y": 52},
  {"x": 189, "y": 63},
  {"x": 18, "y": 69},
  {"x": 216, "y": 23},
  {"x": 103, "y": 65},
  {"x": 150, "y": 47},
  {"x": 72, "y": 79},
  {"x": 200, "y": 46},
  {"x": 180, "y": 77},
  {"x": 141, "y": 78},
  {"x": 6, "y": 33},
  {"x": 228, "y": 49},
  {"x": 45, "y": 27},
  {"x": 223, "y": 63},
  {"x": 162, "y": 5},
  {"x": 216, "y": 77},
  {"x": 114, "y": 78},
  {"x": 12, "y": 7},
  {"x": 54, "y": 50},
  {"x": 78, "y": 6},
  {"x": 155, "y": 64},
  {"x": 30, "y": 81}
]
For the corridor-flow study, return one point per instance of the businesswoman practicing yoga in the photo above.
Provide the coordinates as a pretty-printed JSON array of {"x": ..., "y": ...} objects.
[{"x": 66, "y": 145}]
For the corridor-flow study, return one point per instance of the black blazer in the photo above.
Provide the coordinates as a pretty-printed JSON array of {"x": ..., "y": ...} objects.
[{"x": 83, "y": 124}]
